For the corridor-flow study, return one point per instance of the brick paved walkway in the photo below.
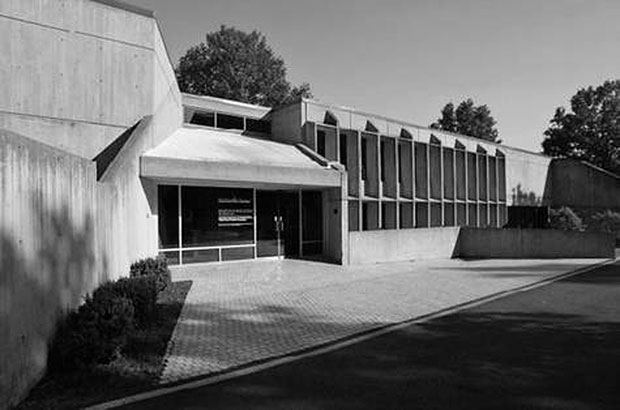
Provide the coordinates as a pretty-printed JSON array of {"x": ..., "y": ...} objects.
[{"x": 237, "y": 313}]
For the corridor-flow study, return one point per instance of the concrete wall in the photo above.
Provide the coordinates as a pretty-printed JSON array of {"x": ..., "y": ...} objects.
[
  {"x": 581, "y": 185},
  {"x": 533, "y": 243},
  {"x": 336, "y": 223},
  {"x": 462, "y": 242},
  {"x": 49, "y": 251},
  {"x": 76, "y": 75},
  {"x": 286, "y": 125},
  {"x": 404, "y": 244}
]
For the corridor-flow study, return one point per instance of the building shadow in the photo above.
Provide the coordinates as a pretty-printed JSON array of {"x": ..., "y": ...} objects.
[
  {"x": 533, "y": 351},
  {"x": 45, "y": 271}
]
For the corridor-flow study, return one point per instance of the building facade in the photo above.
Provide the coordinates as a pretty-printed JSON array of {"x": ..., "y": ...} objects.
[
  {"x": 104, "y": 161},
  {"x": 299, "y": 180}
]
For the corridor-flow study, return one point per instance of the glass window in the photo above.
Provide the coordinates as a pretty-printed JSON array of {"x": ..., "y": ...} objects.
[
  {"x": 343, "y": 149},
  {"x": 406, "y": 215},
  {"x": 261, "y": 126},
  {"x": 172, "y": 257},
  {"x": 168, "y": 216},
  {"x": 436, "y": 214},
  {"x": 320, "y": 143},
  {"x": 233, "y": 254},
  {"x": 421, "y": 215},
  {"x": 217, "y": 216},
  {"x": 383, "y": 159},
  {"x": 312, "y": 217},
  {"x": 365, "y": 143},
  {"x": 206, "y": 118},
  {"x": 421, "y": 171},
  {"x": 198, "y": 256},
  {"x": 231, "y": 122}
]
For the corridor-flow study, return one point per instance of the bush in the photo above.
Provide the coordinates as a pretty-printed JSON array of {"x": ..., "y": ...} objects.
[
  {"x": 565, "y": 219},
  {"x": 606, "y": 221},
  {"x": 94, "y": 333},
  {"x": 157, "y": 267},
  {"x": 142, "y": 292}
]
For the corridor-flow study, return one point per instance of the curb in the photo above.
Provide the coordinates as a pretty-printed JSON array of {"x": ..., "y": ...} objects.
[{"x": 274, "y": 361}]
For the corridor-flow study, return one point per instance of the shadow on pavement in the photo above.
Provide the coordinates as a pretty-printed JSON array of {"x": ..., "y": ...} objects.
[{"x": 556, "y": 347}]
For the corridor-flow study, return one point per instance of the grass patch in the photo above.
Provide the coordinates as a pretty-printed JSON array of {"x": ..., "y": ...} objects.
[{"x": 137, "y": 367}]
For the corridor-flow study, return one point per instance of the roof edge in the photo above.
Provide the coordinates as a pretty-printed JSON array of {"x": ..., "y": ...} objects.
[
  {"x": 127, "y": 7},
  {"x": 411, "y": 125}
]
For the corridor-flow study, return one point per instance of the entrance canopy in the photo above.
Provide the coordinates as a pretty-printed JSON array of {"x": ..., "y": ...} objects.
[{"x": 233, "y": 159}]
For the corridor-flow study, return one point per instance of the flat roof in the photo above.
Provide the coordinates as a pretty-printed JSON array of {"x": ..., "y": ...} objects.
[
  {"x": 206, "y": 154},
  {"x": 224, "y": 105}
]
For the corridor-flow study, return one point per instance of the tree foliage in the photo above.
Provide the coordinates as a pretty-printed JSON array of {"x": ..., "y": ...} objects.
[
  {"x": 565, "y": 219},
  {"x": 239, "y": 66},
  {"x": 590, "y": 131},
  {"x": 468, "y": 119}
]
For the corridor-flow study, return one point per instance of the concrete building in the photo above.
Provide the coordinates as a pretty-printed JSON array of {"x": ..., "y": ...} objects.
[{"x": 104, "y": 161}]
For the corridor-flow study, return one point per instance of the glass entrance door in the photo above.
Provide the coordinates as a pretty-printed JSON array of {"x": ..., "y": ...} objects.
[{"x": 277, "y": 228}]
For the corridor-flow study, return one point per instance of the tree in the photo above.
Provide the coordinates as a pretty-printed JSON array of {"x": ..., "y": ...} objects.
[
  {"x": 239, "y": 66},
  {"x": 591, "y": 130},
  {"x": 468, "y": 119}
]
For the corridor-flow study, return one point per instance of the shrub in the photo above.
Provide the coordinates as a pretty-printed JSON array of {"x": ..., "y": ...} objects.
[
  {"x": 565, "y": 219},
  {"x": 157, "y": 267},
  {"x": 606, "y": 221},
  {"x": 142, "y": 291},
  {"x": 94, "y": 333}
]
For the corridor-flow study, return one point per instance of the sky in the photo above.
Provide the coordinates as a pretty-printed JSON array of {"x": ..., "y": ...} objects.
[{"x": 407, "y": 58}]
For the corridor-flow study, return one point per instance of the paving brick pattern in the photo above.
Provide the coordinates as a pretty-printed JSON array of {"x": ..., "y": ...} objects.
[{"x": 238, "y": 313}]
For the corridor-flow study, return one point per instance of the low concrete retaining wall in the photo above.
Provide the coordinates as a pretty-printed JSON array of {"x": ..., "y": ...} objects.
[
  {"x": 403, "y": 244},
  {"x": 534, "y": 243},
  {"x": 453, "y": 242}
]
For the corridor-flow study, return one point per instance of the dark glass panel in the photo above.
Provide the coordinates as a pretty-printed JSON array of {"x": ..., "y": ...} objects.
[
  {"x": 205, "y": 255},
  {"x": 461, "y": 214},
  {"x": 406, "y": 215},
  {"x": 168, "y": 216},
  {"x": 421, "y": 170},
  {"x": 436, "y": 214},
  {"x": 205, "y": 118},
  {"x": 229, "y": 122},
  {"x": 320, "y": 142},
  {"x": 217, "y": 216},
  {"x": 343, "y": 149},
  {"x": 421, "y": 215},
  {"x": 233, "y": 254},
  {"x": 472, "y": 215},
  {"x": 172, "y": 257},
  {"x": 448, "y": 214},
  {"x": 261, "y": 126}
]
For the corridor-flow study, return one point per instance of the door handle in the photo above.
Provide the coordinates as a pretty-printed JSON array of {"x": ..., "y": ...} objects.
[{"x": 279, "y": 223}]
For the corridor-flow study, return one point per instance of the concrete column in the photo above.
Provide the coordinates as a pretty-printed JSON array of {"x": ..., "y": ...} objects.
[
  {"x": 413, "y": 182},
  {"x": 466, "y": 187},
  {"x": 441, "y": 184},
  {"x": 428, "y": 183},
  {"x": 379, "y": 183}
]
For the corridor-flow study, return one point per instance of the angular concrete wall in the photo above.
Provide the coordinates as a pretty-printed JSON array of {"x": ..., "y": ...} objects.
[
  {"x": 79, "y": 74},
  {"x": 75, "y": 73},
  {"x": 49, "y": 252},
  {"x": 533, "y": 243},
  {"x": 581, "y": 185}
]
